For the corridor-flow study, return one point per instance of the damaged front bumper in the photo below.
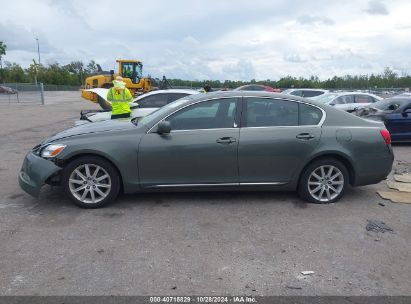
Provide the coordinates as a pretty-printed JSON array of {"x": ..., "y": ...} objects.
[{"x": 34, "y": 173}]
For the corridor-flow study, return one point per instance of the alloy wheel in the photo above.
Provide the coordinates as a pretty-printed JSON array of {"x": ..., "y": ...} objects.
[
  {"x": 90, "y": 183},
  {"x": 325, "y": 183}
]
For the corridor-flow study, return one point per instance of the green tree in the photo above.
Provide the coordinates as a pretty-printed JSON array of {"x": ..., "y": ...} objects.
[
  {"x": 3, "y": 48},
  {"x": 14, "y": 73},
  {"x": 91, "y": 67},
  {"x": 76, "y": 69}
]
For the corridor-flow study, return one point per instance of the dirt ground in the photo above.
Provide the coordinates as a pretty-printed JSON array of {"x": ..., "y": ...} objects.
[{"x": 189, "y": 243}]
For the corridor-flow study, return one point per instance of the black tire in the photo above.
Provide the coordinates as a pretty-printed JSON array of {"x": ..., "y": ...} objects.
[
  {"x": 105, "y": 105},
  {"x": 303, "y": 187},
  {"x": 105, "y": 168}
]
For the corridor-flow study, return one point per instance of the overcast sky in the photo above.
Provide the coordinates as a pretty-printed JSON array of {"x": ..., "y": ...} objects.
[{"x": 237, "y": 40}]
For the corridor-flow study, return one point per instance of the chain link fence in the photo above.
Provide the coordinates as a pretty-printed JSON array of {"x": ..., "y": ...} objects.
[
  {"x": 22, "y": 93},
  {"x": 29, "y": 92}
]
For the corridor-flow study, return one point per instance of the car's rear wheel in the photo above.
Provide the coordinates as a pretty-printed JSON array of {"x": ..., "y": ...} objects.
[
  {"x": 324, "y": 181},
  {"x": 91, "y": 182}
]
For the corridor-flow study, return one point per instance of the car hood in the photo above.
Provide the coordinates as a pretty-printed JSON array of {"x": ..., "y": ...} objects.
[
  {"x": 135, "y": 113},
  {"x": 89, "y": 128}
]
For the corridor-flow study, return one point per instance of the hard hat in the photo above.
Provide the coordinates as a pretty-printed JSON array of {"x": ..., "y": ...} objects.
[{"x": 119, "y": 83}]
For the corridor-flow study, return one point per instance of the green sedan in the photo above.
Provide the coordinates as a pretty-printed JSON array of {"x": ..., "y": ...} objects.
[{"x": 216, "y": 141}]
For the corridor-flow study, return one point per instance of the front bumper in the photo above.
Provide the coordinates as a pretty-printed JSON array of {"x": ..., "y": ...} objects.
[{"x": 34, "y": 172}]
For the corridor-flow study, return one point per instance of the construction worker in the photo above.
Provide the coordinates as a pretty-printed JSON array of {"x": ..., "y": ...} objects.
[
  {"x": 120, "y": 97},
  {"x": 206, "y": 89}
]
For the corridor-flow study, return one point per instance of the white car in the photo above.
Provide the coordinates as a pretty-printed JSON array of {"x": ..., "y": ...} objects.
[
  {"x": 144, "y": 104},
  {"x": 348, "y": 101},
  {"x": 306, "y": 93}
]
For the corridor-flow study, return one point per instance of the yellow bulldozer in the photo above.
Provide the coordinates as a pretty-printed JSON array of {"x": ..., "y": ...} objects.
[{"x": 130, "y": 70}]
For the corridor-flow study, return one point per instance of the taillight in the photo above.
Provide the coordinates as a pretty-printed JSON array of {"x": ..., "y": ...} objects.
[{"x": 386, "y": 135}]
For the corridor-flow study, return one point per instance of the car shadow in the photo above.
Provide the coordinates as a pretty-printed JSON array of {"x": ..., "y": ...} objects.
[
  {"x": 166, "y": 199},
  {"x": 53, "y": 198}
]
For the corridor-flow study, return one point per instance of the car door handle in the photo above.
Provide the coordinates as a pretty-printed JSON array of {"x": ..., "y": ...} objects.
[
  {"x": 305, "y": 136},
  {"x": 226, "y": 140}
]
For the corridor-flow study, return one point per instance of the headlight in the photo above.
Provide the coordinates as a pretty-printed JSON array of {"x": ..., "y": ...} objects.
[{"x": 52, "y": 150}]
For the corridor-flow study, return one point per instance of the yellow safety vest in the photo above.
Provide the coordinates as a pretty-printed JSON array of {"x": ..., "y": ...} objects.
[{"x": 119, "y": 100}]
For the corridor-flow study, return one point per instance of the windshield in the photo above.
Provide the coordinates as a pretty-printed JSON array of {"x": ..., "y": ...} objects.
[
  {"x": 157, "y": 114},
  {"x": 326, "y": 98}
]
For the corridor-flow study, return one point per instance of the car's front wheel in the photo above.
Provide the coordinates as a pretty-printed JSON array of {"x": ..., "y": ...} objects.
[
  {"x": 91, "y": 182},
  {"x": 323, "y": 181}
]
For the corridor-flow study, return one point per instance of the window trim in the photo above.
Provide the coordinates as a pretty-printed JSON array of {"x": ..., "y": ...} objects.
[
  {"x": 239, "y": 120},
  {"x": 244, "y": 113},
  {"x": 236, "y": 118}
]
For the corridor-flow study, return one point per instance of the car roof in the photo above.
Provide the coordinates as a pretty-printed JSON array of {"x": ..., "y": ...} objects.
[
  {"x": 351, "y": 93},
  {"x": 226, "y": 94},
  {"x": 296, "y": 89}
]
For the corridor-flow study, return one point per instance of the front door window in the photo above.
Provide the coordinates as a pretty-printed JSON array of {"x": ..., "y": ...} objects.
[{"x": 212, "y": 114}]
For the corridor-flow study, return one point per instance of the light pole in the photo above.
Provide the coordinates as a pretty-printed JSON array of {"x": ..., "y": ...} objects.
[{"x": 38, "y": 48}]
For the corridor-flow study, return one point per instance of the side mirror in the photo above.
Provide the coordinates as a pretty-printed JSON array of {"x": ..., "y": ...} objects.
[{"x": 164, "y": 127}]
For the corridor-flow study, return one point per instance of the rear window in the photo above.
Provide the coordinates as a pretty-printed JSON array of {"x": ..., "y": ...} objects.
[
  {"x": 312, "y": 93},
  {"x": 153, "y": 101},
  {"x": 297, "y": 93},
  {"x": 174, "y": 96}
]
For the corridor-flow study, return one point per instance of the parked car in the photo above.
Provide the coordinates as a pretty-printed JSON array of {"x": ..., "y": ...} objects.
[
  {"x": 307, "y": 93},
  {"x": 215, "y": 141},
  {"x": 395, "y": 112},
  {"x": 7, "y": 90},
  {"x": 348, "y": 101},
  {"x": 144, "y": 104},
  {"x": 257, "y": 87}
]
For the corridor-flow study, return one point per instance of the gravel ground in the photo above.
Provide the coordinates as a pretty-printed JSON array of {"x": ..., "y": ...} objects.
[{"x": 190, "y": 243}]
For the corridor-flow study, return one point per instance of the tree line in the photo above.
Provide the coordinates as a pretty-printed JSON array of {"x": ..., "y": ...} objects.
[
  {"x": 76, "y": 72},
  {"x": 387, "y": 79},
  {"x": 72, "y": 74}
]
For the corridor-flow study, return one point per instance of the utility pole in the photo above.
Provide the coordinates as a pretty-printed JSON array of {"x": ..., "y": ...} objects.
[{"x": 38, "y": 48}]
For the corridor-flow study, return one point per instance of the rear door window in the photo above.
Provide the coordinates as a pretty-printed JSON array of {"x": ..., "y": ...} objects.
[
  {"x": 266, "y": 112},
  {"x": 363, "y": 99},
  {"x": 344, "y": 99}
]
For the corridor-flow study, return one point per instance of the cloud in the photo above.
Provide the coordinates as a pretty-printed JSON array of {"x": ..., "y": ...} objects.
[
  {"x": 211, "y": 39},
  {"x": 17, "y": 37},
  {"x": 294, "y": 58},
  {"x": 376, "y": 7},
  {"x": 314, "y": 20}
]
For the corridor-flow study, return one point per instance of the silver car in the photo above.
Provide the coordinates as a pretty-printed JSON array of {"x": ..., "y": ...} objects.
[
  {"x": 144, "y": 104},
  {"x": 306, "y": 93},
  {"x": 348, "y": 101}
]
